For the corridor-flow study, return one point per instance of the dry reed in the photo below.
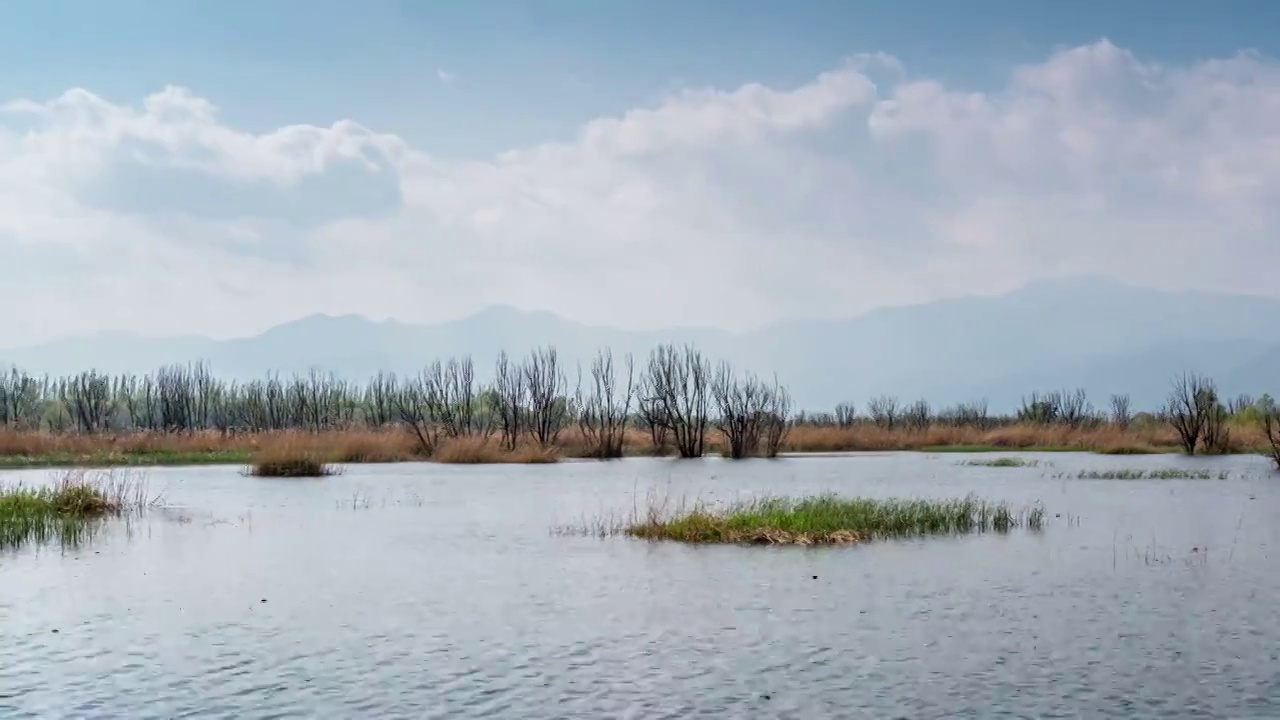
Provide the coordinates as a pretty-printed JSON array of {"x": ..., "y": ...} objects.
[
  {"x": 20, "y": 448},
  {"x": 482, "y": 451}
]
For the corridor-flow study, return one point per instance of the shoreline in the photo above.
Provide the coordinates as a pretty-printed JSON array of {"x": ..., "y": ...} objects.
[{"x": 244, "y": 457}]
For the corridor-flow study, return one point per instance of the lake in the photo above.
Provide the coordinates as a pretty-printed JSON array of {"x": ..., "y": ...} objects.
[{"x": 431, "y": 591}]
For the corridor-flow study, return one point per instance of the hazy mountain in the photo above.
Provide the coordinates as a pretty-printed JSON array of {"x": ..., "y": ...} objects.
[{"x": 1087, "y": 332}]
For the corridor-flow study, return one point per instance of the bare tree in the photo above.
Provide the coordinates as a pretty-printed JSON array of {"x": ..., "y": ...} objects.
[
  {"x": 89, "y": 400},
  {"x": 1271, "y": 426},
  {"x": 1240, "y": 403},
  {"x": 1121, "y": 415},
  {"x": 510, "y": 394},
  {"x": 740, "y": 405},
  {"x": 548, "y": 410},
  {"x": 1074, "y": 409},
  {"x": 652, "y": 415},
  {"x": 460, "y": 394},
  {"x": 676, "y": 382},
  {"x": 846, "y": 415},
  {"x": 884, "y": 411},
  {"x": 777, "y": 421},
  {"x": 20, "y": 400},
  {"x": 604, "y": 407},
  {"x": 453, "y": 385},
  {"x": 379, "y": 401},
  {"x": 418, "y": 408},
  {"x": 917, "y": 415},
  {"x": 1217, "y": 433},
  {"x": 1186, "y": 408}
]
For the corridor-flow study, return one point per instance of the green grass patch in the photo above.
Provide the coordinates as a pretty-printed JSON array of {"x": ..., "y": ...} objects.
[
  {"x": 68, "y": 509},
  {"x": 823, "y": 519}
]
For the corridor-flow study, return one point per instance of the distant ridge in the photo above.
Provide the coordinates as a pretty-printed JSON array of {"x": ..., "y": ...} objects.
[{"x": 1090, "y": 332}]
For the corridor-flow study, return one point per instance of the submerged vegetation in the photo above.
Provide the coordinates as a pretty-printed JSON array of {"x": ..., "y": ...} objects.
[
  {"x": 1161, "y": 474},
  {"x": 1003, "y": 462},
  {"x": 823, "y": 519},
  {"x": 677, "y": 402},
  {"x": 69, "y": 507}
]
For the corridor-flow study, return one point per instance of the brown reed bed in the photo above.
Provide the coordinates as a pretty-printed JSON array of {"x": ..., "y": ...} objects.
[
  {"x": 290, "y": 457},
  {"x": 27, "y": 448},
  {"x": 486, "y": 451}
]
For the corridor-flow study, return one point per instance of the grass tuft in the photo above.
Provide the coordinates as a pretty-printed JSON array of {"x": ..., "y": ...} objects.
[
  {"x": 819, "y": 520},
  {"x": 69, "y": 507},
  {"x": 287, "y": 458}
]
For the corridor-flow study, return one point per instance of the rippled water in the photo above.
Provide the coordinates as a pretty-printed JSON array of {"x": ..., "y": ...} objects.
[{"x": 432, "y": 591}]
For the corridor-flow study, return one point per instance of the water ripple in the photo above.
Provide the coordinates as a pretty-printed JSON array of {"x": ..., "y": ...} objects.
[{"x": 465, "y": 607}]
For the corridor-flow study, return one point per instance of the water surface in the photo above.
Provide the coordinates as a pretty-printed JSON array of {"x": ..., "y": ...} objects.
[{"x": 437, "y": 591}]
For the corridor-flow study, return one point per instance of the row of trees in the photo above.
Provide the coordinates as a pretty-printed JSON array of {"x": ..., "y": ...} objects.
[{"x": 676, "y": 397}]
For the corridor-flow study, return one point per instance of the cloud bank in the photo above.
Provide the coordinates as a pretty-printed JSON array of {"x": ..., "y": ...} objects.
[{"x": 721, "y": 207}]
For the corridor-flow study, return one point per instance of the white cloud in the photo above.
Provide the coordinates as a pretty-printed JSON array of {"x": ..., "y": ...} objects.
[
  {"x": 713, "y": 207},
  {"x": 445, "y": 76}
]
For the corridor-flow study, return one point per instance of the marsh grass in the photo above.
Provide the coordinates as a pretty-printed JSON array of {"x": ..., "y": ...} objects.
[
  {"x": 1161, "y": 474},
  {"x": 1004, "y": 462},
  {"x": 70, "y": 508},
  {"x": 818, "y": 520},
  {"x": 288, "y": 459}
]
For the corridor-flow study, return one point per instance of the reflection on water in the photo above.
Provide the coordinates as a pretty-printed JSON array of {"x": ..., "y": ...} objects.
[{"x": 431, "y": 591}]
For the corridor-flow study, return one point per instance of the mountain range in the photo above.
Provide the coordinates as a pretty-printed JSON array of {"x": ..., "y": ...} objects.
[{"x": 1088, "y": 332}]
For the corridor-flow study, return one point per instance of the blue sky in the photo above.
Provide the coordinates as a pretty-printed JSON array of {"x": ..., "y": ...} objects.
[
  {"x": 215, "y": 168},
  {"x": 530, "y": 71}
]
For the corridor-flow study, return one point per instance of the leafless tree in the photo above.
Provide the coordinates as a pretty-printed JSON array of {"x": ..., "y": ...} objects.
[
  {"x": 604, "y": 407},
  {"x": 652, "y": 415},
  {"x": 753, "y": 416},
  {"x": 1271, "y": 426},
  {"x": 510, "y": 395},
  {"x": 846, "y": 415},
  {"x": 740, "y": 405},
  {"x": 548, "y": 407},
  {"x": 453, "y": 385},
  {"x": 418, "y": 408},
  {"x": 777, "y": 421},
  {"x": 1121, "y": 415},
  {"x": 917, "y": 415},
  {"x": 676, "y": 385},
  {"x": 379, "y": 401},
  {"x": 1187, "y": 408},
  {"x": 20, "y": 400},
  {"x": 1074, "y": 409},
  {"x": 1240, "y": 403},
  {"x": 1217, "y": 433},
  {"x": 974, "y": 414},
  {"x": 89, "y": 399},
  {"x": 884, "y": 411},
  {"x": 1060, "y": 407}
]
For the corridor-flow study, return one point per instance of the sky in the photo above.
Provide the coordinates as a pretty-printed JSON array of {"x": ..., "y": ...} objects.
[{"x": 216, "y": 168}]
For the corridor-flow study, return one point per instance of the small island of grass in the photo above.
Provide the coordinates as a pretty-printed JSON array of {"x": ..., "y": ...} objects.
[
  {"x": 821, "y": 520},
  {"x": 68, "y": 507}
]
